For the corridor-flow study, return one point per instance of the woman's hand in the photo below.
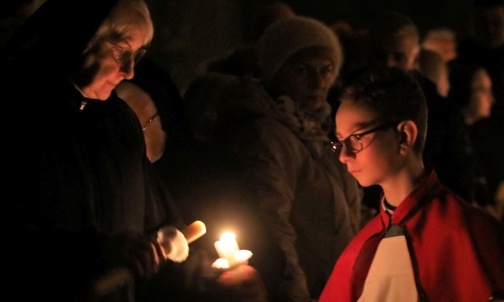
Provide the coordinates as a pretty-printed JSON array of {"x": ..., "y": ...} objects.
[{"x": 141, "y": 253}]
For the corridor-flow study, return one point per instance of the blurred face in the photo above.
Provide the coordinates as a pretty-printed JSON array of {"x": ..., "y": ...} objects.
[
  {"x": 447, "y": 49},
  {"x": 379, "y": 158},
  {"x": 443, "y": 83},
  {"x": 111, "y": 63},
  {"x": 400, "y": 51},
  {"x": 480, "y": 103},
  {"x": 146, "y": 112},
  {"x": 307, "y": 80}
]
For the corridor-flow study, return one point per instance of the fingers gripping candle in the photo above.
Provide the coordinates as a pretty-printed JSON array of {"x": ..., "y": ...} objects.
[
  {"x": 175, "y": 243},
  {"x": 227, "y": 247}
]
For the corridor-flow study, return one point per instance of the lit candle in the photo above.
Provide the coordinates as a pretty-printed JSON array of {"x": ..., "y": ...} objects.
[{"x": 227, "y": 247}]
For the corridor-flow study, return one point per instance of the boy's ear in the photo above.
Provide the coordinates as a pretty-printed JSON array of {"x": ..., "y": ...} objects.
[{"x": 408, "y": 134}]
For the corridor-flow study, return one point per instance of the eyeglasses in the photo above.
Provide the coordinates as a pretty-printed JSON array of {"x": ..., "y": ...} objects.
[
  {"x": 123, "y": 55},
  {"x": 149, "y": 121},
  {"x": 353, "y": 142}
]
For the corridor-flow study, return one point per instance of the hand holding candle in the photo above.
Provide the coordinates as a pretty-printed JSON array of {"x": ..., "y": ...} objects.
[
  {"x": 175, "y": 243},
  {"x": 229, "y": 252}
]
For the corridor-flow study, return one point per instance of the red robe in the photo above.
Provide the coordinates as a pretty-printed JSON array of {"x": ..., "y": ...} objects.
[{"x": 457, "y": 251}]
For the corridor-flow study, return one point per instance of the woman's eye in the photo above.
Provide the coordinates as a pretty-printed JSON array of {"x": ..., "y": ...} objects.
[
  {"x": 326, "y": 71},
  {"x": 118, "y": 52}
]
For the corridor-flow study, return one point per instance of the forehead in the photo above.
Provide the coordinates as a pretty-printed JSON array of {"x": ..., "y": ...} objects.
[
  {"x": 402, "y": 42},
  {"x": 352, "y": 116},
  {"x": 133, "y": 35},
  {"x": 312, "y": 59},
  {"x": 481, "y": 78}
]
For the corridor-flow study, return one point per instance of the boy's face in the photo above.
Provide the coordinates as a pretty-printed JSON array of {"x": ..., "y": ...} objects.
[{"x": 379, "y": 157}]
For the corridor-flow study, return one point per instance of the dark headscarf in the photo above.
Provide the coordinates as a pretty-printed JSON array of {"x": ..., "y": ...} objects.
[{"x": 58, "y": 32}]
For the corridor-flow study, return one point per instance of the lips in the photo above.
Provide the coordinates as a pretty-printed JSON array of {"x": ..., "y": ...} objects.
[{"x": 354, "y": 171}]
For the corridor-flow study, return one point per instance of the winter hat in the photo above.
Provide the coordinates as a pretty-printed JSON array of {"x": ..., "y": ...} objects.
[{"x": 286, "y": 37}]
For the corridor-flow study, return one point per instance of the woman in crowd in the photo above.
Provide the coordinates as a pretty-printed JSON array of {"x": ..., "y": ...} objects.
[
  {"x": 78, "y": 207},
  {"x": 277, "y": 128}
]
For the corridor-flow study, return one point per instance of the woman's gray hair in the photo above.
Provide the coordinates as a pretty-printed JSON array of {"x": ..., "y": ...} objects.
[{"x": 124, "y": 14}]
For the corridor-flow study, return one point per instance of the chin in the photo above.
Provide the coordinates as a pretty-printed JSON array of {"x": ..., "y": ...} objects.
[
  {"x": 103, "y": 95},
  {"x": 365, "y": 182}
]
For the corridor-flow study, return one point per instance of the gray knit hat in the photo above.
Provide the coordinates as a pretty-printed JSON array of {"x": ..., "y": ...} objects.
[{"x": 286, "y": 37}]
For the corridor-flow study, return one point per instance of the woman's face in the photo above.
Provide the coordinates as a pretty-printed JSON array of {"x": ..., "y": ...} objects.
[
  {"x": 145, "y": 109},
  {"x": 307, "y": 81},
  {"x": 480, "y": 103},
  {"x": 112, "y": 62},
  {"x": 379, "y": 158}
]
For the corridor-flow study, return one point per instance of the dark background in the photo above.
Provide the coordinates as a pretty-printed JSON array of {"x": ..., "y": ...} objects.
[{"x": 190, "y": 33}]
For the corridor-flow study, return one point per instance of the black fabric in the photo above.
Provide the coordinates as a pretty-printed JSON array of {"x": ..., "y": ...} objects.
[{"x": 58, "y": 32}]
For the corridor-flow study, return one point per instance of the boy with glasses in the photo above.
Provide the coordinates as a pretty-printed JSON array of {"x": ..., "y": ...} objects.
[{"x": 426, "y": 244}]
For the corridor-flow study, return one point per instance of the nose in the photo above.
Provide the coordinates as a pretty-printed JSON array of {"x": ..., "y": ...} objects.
[
  {"x": 128, "y": 69},
  {"x": 345, "y": 154},
  {"x": 317, "y": 80}
]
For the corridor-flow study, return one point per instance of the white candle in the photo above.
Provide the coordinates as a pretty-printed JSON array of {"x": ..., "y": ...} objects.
[{"x": 227, "y": 247}]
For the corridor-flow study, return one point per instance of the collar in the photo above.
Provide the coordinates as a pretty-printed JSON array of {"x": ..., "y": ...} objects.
[
  {"x": 417, "y": 199},
  {"x": 84, "y": 101}
]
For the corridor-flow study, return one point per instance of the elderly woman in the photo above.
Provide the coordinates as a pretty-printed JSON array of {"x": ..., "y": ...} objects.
[
  {"x": 79, "y": 205},
  {"x": 278, "y": 128}
]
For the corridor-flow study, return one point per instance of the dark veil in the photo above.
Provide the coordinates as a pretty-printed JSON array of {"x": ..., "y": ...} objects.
[{"x": 58, "y": 32}]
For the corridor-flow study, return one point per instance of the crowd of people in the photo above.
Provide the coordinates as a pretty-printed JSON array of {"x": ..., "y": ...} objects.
[{"x": 355, "y": 164}]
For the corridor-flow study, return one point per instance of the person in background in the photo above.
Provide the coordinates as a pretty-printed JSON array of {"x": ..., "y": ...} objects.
[
  {"x": 201, "y": 100},
  {"x": 243, "y": 60},
  {"x": 78, "y": 211},
  {"x": 182, "y": 166},
  {"x": 443, "y": 41},
  {"x": 472, "y": 92},
  {"x": 484, "y": 46},
  {"x": 276, "y": 127},
  {"x": 434, "y": 67},
  {"x": 427, "y": 244}
]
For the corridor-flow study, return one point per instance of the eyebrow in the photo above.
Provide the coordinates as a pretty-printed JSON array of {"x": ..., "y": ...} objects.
[{"x": 358, "y": 127}]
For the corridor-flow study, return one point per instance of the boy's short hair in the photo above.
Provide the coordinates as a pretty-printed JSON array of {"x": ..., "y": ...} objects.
[{"x": 393, "y": 95}]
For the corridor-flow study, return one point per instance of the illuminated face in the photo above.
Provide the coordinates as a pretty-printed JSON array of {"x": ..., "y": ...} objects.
[
  {"x": 108, "y": 68},
  {"x": 446, "y": 48},
  {"x": 146, "y": 112},
  {"x": 443, "y": 82},
  {"x": 308, "y": 80},
  {"x": 480, "y": 103},
  {"x": 379, "y": 158},
  {"x": 400, "y": 50}
]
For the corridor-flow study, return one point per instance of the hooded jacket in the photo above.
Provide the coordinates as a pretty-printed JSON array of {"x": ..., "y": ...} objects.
[{"x": 311, "y": 204}]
